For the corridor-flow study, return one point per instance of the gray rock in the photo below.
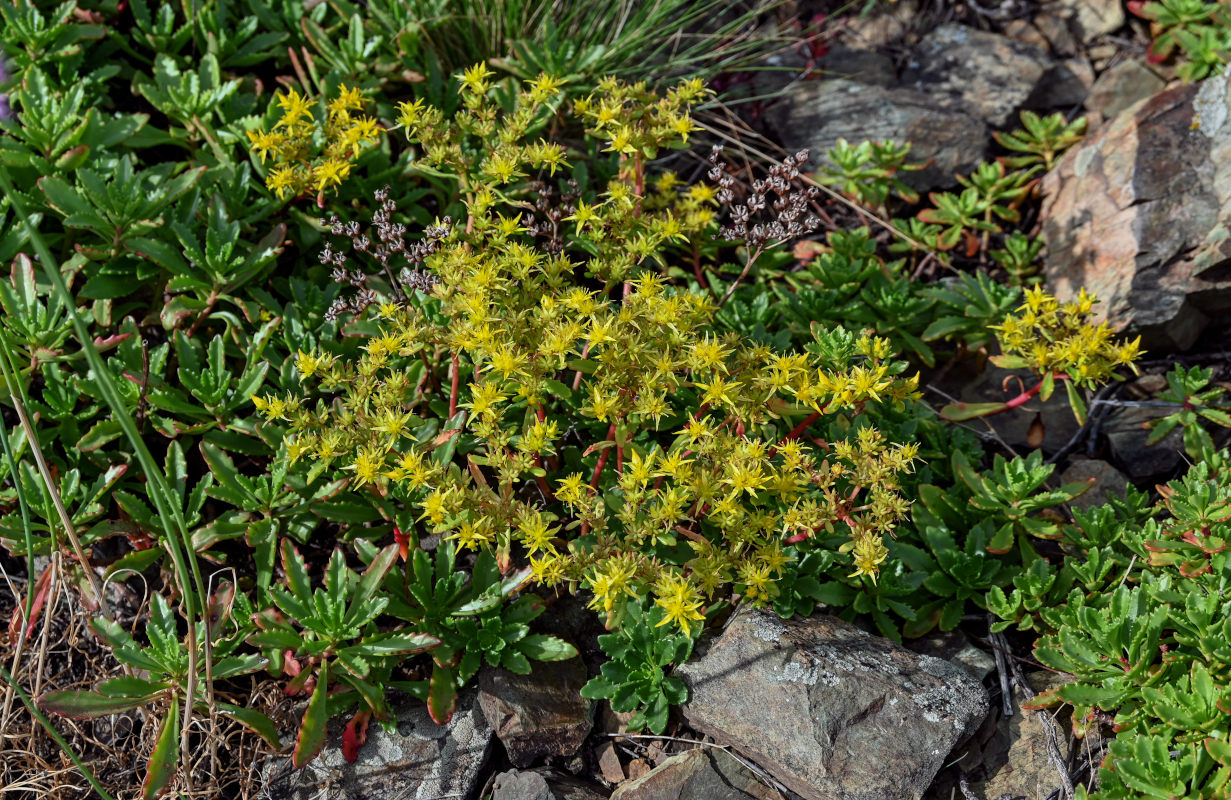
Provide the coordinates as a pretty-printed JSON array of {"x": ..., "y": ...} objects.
[
  {"x": 543, "y": 785},
  {"x": 1126, "y": 439},
  {"x": 1016, "y": 761},
  {"x": 830, "y": 711},
  {"x": 1106, "y": 480},
  {"x": 955, "y": 647},
  {"x": 540, "y": 714},
  {"x": 818, "y": 113},
  {"x": 1138, "y": 214},
  {"x": 1122, "y": 86},
  {"x": 420, "y": 760},
  {"x": 858, "y": 64},
  {"x": 1089, "y": 19},
  {"x": 704, "y": 773},
  {"x": 985, "y": 74}
]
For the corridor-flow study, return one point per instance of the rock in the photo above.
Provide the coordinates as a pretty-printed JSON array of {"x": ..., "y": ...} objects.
[
  {"x": 858, "y": 64},
  {"x": 420, "y": 760},
  {"x": 830, "y": 711},
  {"x": 984, "y": 74},
  {"x": 818, "y": 113},
  {"x": 1107, "y": 480},
  {"x": 540, "y": 714},
  {"x": 883, "y": 23},
  {"x": 1056, "y": 33},
  {"x": 1122, "y": 86},
  {"x": 955, "y": 647},
  {"x": 702, "y": 773},
  {"x": 1016, "y": 760},
  {"x": 1126, "y": 439},
  {"x": 610, "y": 721},
  {"x": 609, "y": 765},
  {"x": 1138, "y": 214},
  {"x": 543, "y": 785},
  {"x": 1090, "y": 19}
]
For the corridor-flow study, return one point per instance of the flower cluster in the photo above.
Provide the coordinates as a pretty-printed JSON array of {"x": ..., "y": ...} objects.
[
  {"x": 596, "y": 425},
  {"x": 788, "y": 217},
  {"x": 1057, "y": 338},
  {"x": 385, "y": 243},
  {"x": 302, "y": 165}
]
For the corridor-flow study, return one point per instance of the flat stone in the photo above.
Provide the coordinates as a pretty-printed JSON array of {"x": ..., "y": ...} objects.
[
  {"x": 609, "y": 765},
  {"x": 1106, "y": 480},
  {"x": 858, "y": 64},
  {"x": 1016, "y": 761},
  {"x": 984, "y": 74},
  {"x": 540, "y": 714},
  {"x": 1090, "y": 19},
  {"x": 1126, "y": 439},
  {"x": 830, "y": 711},
  {"x": 543, "y": 785},
  {"x": 419, "y": 760},
  {"x": 701, "y": 774},
  {"x": 1138, "y": 215},
  {"x": 816, "y": 114},
  {"x": 955, "y": 647},
  {"x": 1121, "y": 87}
]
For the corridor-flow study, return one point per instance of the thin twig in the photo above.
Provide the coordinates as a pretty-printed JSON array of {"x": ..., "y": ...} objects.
[{"x": 1002, "y": 669}]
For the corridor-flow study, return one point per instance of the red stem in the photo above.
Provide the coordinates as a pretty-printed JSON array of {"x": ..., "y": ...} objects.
[
  {"x": 602, "y": 458},
  {"x": 585, "y": 352},
  {"x": 795, "y": 432},
  {"x": 457, "y": 374}
]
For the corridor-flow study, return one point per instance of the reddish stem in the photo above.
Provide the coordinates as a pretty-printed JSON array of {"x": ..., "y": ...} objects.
[
  {"x": 795, "y": 432},
  {"x": 585, "y": 352},
  {"x": 544, "y": 486},
  {"x": 602, "y": 458}
]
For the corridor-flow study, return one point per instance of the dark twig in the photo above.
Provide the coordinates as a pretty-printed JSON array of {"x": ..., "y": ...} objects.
[
  {"x": 1002, "y": 669},
  {"x": 1100, "y": 407},
  {"x": 1050, "y": 729}
]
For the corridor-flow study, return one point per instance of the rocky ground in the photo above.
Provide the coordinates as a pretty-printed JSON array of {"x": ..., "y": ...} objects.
[{"x": 816, "y": 708}]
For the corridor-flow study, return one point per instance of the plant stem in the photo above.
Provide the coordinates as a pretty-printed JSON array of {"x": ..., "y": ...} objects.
[
  {"x": 602, "y": 458},
  {"x": 455, "y": 377}
]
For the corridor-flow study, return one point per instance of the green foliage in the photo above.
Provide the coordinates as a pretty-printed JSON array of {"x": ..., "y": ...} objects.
[
  {"x": 1190, "y": 390},
  {"x": 474, "y": 617},
  {"x": 1200, "y": 31},
  {"x": 867, "y": 172},
  {"x": 1041, "y": 140},
  {"x": 165, "y": 669},
  {"x": 633, "y": 678},
  {"x": 1144, "y": 634}
]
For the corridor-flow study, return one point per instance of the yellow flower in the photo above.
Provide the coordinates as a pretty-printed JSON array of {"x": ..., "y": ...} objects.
[
  {"x": 330, "y": 171},
  {"x": 610, "y": 581},
  {"x": 347, "y": 100},
  {"x": 475, "y": 79},
  {"x": 570, "y": 490},
  {"x": 680, "y": 601},
  {"x": 367, "y": 465},
  {"x": 294, "y": 107},
  {"x": 869, "y": 552},
  {"x": 265, "y": 143},
  {"x": 544, "y": 87},
  {"x": 281, "y": 180}
]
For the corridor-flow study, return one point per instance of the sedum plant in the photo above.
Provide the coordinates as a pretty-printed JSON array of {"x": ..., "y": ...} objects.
[
  {"x": 1057, "y": 342},
  {"x": 309, "y": 153},
  {"x": 1142, "y": 634},
  {"x": 591, "y": 421}
]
